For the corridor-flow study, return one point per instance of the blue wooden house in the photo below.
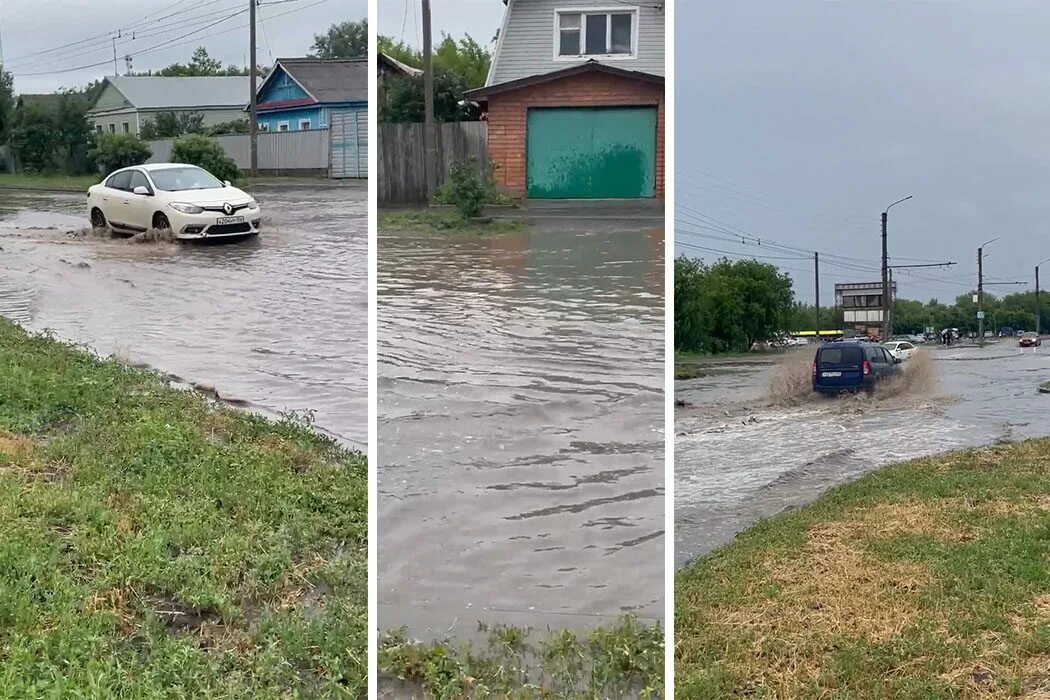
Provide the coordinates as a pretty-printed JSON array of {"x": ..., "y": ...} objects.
[{"x": 301, "y": 94}]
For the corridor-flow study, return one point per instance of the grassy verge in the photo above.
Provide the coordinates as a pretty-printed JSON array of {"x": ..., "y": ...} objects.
[
  {"x": 444, "y": 221},
  {"x": 928, "y": 579},
  {"x": 72, "y": 183},
  {"x": 155, "y": 546},
  {"x": 625, "y": 660}
]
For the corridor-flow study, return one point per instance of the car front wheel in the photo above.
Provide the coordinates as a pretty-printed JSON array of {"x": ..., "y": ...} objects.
[
  {"x": 98, "y": 219},
  {"x": 160, "y": 222}
]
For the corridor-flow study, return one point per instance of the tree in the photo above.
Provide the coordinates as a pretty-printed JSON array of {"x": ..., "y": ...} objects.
[
  {"x": 399, "y": 51},
  {"x": 405, "y": 99},
  {"x": 33, "y": 138},
  {"x": 200, "y": 64},
  {"x": 465, "y": 58},
  {"x": 7, "y": 102},
  {"x": 204, "y": 153},
  {"x": 346, "y": 40},
  {"x": 729, "y": 306},
  {"x": 115, "y": 151},
  {"x": 168, "y": 125}
]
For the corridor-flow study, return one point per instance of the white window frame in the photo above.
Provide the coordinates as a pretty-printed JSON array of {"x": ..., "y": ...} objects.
[
  {"x": 287, "y": 126},
  {"x": 112, "y": 127},
  {"x": 125, "y": 127},
  {"x": 264, "y": 126},
  {"x": 632, "y": 10},
  {"x": 308, "y": 122}
]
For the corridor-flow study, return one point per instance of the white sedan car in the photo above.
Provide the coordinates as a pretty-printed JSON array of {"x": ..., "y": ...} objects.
[
  {"x": 900, "y": 349},
  {"x": 188, "y": 200}
]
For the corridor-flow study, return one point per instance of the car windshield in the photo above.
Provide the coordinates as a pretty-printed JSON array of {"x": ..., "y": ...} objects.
[
  {"x": 1030, "y": 334},
  {"x": 848, "y": 356},
  {"x": 184, "y": 178}
]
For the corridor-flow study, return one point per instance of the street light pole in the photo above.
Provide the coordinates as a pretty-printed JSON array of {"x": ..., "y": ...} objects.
[
  {"x": 887, "y": 302},
  {"x": 980, "y": 290}
]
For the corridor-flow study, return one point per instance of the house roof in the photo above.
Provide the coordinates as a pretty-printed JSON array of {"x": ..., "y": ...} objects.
[
  {"x": 398, "y": 66},
  {"x": 325, "y": 79},
  {"x": 160, "y": 92},
  {"x": 591, "y": 66}
]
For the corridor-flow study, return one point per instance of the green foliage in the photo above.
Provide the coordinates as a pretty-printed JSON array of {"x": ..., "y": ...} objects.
[
  {"x": 52, "y": 137},
  {"x": 466, "y": 58},
  {"x": 1016, "y": 311},
  {"x": 238, "y": 126},
  {"x": 728, "y": 306},
  {"x": 345, "y": 40},
  {"x": 201, "y": 64},
  {"x": 619, "y": 661},
  {"x": 115, "y": 151},
  {"x": 169, "y": 125},
  {"x": 204, "y": 152},
  {"x": 7, "y": 102},
  {"x": 468, "y": 188},
  {"x": 404, "y": 100},
  {"x": 399, "y": 51},
  {"x": 802, "y": 317}
]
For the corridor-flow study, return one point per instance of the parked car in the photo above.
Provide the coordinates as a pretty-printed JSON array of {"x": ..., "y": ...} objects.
[
  {"x": 851, "y": 366},
  {"x": 1006, "y": 332},
  {"x": 900, "y": 349},
  {"x": 189, "y": 201},
  {"x": 1030, "y": 339},
  {"x": 1020, "y": 333}
]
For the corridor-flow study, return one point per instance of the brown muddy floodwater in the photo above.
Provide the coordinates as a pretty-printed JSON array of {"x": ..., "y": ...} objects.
[
  {"x": 746, "y": 450},
  {"x": 280, "y": 322},
  {"x": 520, "y": 428}
]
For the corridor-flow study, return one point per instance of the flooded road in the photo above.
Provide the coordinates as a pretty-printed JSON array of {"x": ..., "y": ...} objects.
[
  {"x": 280, "y": 322},
  {"x": 520, "y": 428},
  {"x": 739, "y": 457}
]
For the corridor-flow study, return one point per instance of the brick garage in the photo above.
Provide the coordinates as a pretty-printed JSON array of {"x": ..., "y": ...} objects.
[{"x": 571, "y": 95}]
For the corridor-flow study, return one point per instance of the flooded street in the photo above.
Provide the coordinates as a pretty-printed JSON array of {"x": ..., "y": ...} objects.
[
  {"x": 521, "y": 428},
  {"x": 280, "y": 322},
  {"x": 740, "y": 457}
]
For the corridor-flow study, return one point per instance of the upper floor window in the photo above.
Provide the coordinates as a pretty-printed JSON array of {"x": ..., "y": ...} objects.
[{"x": 596, "y": 33}]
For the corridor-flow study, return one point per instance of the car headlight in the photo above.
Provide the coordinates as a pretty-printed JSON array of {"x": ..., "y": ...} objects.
[
  {"x": 252, "y": 204},
  {"x": 186, "y": 208}
]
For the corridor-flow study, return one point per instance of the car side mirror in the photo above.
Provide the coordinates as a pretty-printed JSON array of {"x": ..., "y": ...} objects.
[
  {"x": 227, "y": 183},
  {"x": 141, "y": 190},
  {"x": 897, "y": 360}
]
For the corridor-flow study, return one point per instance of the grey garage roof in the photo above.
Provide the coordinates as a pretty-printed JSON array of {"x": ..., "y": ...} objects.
[{"x": 156, "y": 92}]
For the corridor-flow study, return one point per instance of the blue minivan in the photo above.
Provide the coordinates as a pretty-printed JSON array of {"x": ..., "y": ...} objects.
[{"x": 852, "y": 366}]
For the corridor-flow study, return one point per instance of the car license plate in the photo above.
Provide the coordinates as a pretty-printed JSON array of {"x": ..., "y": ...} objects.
[
  {"x": 831, "y": 374},
  {"x": 230, "y": 220}
]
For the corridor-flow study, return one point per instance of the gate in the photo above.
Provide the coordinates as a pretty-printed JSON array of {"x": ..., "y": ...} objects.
[{"x": 349, "y": 143}]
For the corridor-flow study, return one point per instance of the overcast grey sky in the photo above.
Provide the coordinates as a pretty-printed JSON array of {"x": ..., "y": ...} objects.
[
  {"x": 479, "y": 18},
  {"x": 30, "y": 26},
  {"x": 801, "y": 121}
]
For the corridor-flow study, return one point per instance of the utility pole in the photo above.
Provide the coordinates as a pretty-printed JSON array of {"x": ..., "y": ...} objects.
[
  {"x": 816, "y": 290},
  {"x": 980, "y": 295},
  {"x": 428, "y": 101},
  {"x": 253, "y": 104},
  {"x": 1037, "y": 314},
  {"x": 885, "y": 281},
  {"x": 115, "y": 71}
]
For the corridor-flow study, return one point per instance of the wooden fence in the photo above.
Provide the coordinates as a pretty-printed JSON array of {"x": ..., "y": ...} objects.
[
  {"x": 401, "y": 173},
  {"x": 280, "y": 152}
]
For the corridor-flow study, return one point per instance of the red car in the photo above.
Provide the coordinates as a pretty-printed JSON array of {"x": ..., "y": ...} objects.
[{"x": 1030, "y": 339}]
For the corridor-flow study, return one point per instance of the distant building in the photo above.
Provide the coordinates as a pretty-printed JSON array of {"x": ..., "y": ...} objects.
[
  {"x": 861, "y": 306},
  {"x": 125, "y": 103}
]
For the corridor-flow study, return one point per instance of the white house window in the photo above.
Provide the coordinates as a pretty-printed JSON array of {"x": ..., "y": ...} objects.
[
  {"x": 112, "y": 128},
  {"x": 263, "y": 126},
  {"x": 282, "y": 126},
  {"x": 596, "y": 33},
  {"x": 304, "y": 124},
  {"x": 125, "y": 127}
]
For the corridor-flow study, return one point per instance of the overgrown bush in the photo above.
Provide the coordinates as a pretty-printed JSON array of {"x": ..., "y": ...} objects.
[
  {"x": 115, "y": 151},
  {"x": 169, "y": 125},
  {"x": 237, "y": 126},
  {"x": 205, "y": 153},
  {"x": 468, "y": 188}
]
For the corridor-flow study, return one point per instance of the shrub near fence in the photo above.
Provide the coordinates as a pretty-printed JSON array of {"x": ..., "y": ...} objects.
[
  {"x": 279, "y": 151},
  {"x": 400, "y": 156}
]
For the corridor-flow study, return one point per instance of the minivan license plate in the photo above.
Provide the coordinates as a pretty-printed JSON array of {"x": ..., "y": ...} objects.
[
  {"x": 230, "y": 220},
  {"x": 831, "y": 374}
]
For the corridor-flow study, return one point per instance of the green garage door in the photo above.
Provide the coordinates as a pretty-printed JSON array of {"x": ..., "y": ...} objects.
[{"x": 591, "y": 152}]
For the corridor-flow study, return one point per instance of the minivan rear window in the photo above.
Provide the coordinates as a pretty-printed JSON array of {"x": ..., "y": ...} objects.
[{"x": 839, "y": 357}]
